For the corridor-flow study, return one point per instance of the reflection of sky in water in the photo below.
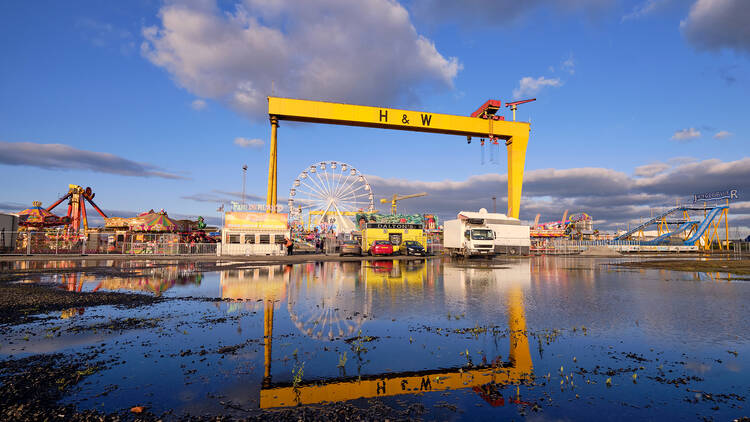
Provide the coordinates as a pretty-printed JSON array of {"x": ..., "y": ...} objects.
[{"x": 659, "y": 315}]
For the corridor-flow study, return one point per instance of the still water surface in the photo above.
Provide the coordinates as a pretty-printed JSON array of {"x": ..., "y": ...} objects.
[{"x": 546, "y": 337}]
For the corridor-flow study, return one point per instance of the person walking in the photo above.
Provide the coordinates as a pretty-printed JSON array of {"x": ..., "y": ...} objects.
[{"x": 289, "y": 246}]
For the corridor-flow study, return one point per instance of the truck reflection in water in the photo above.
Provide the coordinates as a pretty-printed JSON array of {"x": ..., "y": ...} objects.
[{"x": 347, "y": 291}]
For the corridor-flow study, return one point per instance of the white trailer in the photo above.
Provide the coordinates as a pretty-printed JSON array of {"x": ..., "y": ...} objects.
[
  {"x": 8, "y": 232},
  {"x": 510, "y": 236},
  {"x": 468, "y": 237}
]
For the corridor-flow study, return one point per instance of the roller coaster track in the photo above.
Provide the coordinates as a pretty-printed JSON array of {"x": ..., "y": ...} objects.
[
  {"x": 701, "y": 229},
  {"x": 663, "y": 238},
  {"x": 703, "y": 226},
  {"x": 649, "y": 222}
]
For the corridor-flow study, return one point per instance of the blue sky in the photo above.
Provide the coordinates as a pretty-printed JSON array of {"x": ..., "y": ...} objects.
[{"x": 167, "y": 87}]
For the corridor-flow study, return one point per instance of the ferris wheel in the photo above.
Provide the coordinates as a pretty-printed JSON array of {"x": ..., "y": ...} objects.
[{"x": 329, "y": 188}]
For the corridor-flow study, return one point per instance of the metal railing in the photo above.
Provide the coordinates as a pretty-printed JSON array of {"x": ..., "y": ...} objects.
[
  {"x": 46, "y": 243},
  {"x": 570, "y": 247}
]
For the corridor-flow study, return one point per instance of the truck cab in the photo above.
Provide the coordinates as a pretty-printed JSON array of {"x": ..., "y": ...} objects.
[
  {"x": 468, "y": 237},
  {"x": 481, "y": 240}
]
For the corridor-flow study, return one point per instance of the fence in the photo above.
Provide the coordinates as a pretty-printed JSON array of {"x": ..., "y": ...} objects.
[
  {"x": 569, "y": 247},
  {"x": 56, "y": 243}
]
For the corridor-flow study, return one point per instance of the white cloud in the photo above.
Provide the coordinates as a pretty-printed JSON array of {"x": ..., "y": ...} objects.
[
  {"x": 363, "y": 51},
  {"x": 529, "y": 86},
  {"x": 569, "y": 65},
  {"x": 198, "y": 104},
  {"x": 723, "y": 134},
  {"x": 249, "y": 143},
  {"x": 717, "y": 24},
  {"x": 66, "y": 157},
  {"x": 686, "y": 134},
  {"x": 642, "y": 9},
  {"x": 499, "y": 12},
  {"x": 102, "y": 34},
  {"x": 652, "y": 169}
]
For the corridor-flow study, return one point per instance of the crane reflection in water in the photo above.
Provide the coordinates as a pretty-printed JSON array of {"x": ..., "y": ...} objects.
[{"x": 331, "y": 301}]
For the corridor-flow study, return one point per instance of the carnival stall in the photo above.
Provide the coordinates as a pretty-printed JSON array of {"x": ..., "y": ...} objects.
[
  {"x": 254, "y": 233},
  {"x": 149, "y": 232},
  {"x": 35, "y": 223}
]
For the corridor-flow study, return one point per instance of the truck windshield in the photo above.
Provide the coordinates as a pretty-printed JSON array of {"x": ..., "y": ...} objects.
[{"x": 481, "y": 234}]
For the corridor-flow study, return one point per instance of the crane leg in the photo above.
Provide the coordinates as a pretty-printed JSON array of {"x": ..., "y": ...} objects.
[
  {"x": 271, "y": 193},
  {"x": 520, "y": 355},
  {"x": 516, "y": 162}
]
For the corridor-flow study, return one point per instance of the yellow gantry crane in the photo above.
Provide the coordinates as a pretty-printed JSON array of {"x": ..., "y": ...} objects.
[
  {"x": 397, "y": 198},
  {"x": 515, "y": 134}
]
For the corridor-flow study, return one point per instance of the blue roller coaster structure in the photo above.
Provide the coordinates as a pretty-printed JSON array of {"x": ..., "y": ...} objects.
[{"x": 691, "y": 230}]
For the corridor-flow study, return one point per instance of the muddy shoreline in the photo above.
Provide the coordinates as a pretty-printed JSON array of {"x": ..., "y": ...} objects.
[
  {"x": 31, "y": 388},
  {"x": 731, "y": 266},
  {"x": 20, "y": 302}
]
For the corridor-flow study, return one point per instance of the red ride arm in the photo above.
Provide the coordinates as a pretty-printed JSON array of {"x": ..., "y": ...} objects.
[
  {"x": 58, "y": 202},
  {"x": 96, "y": 208}
]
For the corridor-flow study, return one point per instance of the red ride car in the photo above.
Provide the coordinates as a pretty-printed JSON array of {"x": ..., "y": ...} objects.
[{"x": 381, "y": 247}]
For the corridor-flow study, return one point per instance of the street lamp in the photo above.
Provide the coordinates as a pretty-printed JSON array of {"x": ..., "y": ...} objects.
[{"x": 244, "y": 176}]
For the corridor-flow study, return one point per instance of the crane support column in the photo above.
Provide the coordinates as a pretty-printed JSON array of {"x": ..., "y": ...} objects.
[
  {"x": 516, "y": 164},
  {"x": 271, "y": 195}
]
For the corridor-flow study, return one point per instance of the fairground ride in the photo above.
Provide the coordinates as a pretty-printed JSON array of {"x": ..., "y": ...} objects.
[
  {"x": 77, "y": 216},
  {"x": 576, "y": 226},
  {"x": 684, "y": 225},
  {"x": 330, "y": 190}
]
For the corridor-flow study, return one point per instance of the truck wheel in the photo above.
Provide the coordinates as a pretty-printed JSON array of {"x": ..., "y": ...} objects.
[{"x": 512, "y": 251}]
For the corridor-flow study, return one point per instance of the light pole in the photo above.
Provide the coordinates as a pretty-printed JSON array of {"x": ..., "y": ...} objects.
[
  {"x": 244, "y": 176},
  {"x": 494, "y": 204}
]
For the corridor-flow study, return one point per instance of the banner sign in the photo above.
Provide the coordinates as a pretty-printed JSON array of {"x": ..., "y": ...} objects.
[
  {"x": 254, "y": 220},
  {"x": 238, "y": 206},
  {"x": 393, "y": 226},
  {"x": 715, "y": 196}
]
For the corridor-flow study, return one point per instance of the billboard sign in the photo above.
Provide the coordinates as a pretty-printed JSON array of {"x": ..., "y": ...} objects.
[
  {"x": 255, "y": 220},
  {"x": 238, "y": 206},
  {"x": 715, "y": 196}
]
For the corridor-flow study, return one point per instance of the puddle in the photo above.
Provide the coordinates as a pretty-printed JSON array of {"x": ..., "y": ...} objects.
[{"x": 554, "y": 337}]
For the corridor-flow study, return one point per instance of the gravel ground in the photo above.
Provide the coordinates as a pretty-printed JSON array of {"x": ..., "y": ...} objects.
[{"x": 19, "y": 302}]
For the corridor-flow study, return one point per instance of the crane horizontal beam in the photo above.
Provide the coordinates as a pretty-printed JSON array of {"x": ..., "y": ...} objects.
[
  {"x": 413, "y": 195},
  {"x": 391, "y": 385},
  {"x": 391, "y": 118}
]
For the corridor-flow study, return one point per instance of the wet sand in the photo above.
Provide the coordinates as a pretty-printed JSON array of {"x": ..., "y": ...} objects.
[{"x": 20, "y": 302}]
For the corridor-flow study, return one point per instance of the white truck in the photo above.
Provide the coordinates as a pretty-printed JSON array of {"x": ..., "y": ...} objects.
[
  {"x": 468, "y": 237},
  {"x": 509, "y": 236}
]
